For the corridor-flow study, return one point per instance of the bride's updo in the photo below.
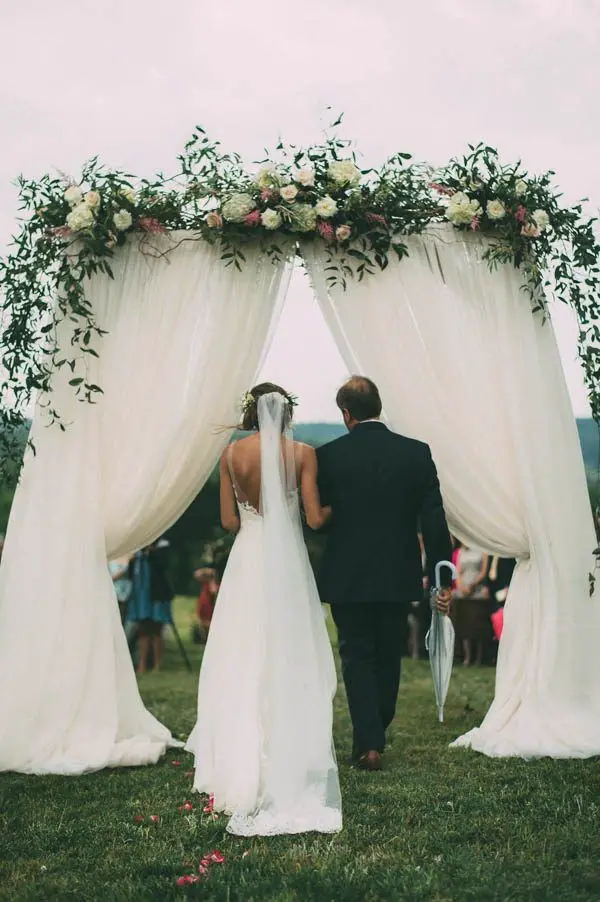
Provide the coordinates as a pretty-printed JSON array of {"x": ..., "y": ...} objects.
[{"x": 250, "y": 405}]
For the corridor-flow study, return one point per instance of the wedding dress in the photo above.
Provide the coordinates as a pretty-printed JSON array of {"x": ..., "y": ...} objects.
[{"x": 263, "y": 738}]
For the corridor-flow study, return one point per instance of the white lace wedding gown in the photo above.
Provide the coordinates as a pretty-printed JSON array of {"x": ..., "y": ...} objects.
[{"x": 263, "y": 737}]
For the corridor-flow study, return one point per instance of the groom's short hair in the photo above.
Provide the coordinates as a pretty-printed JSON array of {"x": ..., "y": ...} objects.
[{"x": 360, "y": 397}]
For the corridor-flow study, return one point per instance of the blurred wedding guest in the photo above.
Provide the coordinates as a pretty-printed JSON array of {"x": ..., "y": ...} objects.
[
  {"x": 499, "y": 577},
  {"x": 119, "y": 571},
  {"x": 471, "y": 615},
  {"x": 150, "y": 602},
  {"x": 205, "y": 604}
]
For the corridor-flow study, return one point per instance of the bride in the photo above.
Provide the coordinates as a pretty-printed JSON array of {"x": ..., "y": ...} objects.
[{"x": 263, "y": 738}]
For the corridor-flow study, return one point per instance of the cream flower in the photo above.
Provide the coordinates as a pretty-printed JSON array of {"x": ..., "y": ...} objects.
[
  {"x": 305, "y": 177},
  {"x": 80, "y": 218},
  {"x": 237, "y": 207},
  {"x": 73, "y": 195},
  {"x": 213, "y": 220},
  {"x": 271, "y": 219},
  {"x": 343, "y": 232},
  {"x": 531, "y": 230},
  {"x": 520, "y": 187},
  {"x": 304, "y": 218},
  {"x": 122, "y": 220},
  {"x": 289, "y": 193},
  {"x": 344, "y": 172},
  {"x": 267, "y": 176},
  {"x": 461, "y": 209},
  {"x": 92, "y": 199},
  {"x": 128, "y": 193},
  {"x": 495, "y": 209},
  {"x": 541, "y": 219},
  {"x": 326, "y": 207}
]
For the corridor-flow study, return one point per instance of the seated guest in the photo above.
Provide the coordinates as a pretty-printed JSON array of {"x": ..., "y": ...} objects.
[{"x": 150, "y": 601}]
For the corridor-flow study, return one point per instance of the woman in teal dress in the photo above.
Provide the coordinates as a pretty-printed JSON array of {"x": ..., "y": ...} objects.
[{"x": 150, "y": 601}]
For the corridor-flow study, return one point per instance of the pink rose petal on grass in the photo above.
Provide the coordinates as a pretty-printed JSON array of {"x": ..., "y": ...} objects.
[
  {"x": 154, "y": 818},
  {"x": 210, "y": 807},
  {"x": 138, "y": 819},
  {"x": 187, "y": 806},
  {"x": 176, "y": 763},
  {"x": 189, "y": 773},
  {"x": 217, "y": 857}
]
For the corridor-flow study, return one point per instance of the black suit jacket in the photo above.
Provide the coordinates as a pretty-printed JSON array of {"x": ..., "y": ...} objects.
[{"x": 383, "y": 487}]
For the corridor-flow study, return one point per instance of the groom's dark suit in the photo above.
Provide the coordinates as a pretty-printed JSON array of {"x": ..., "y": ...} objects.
[{"x": 383, "y": 487}]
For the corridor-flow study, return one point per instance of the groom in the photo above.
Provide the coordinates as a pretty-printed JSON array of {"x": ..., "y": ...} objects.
[{"x": 383, "y": 488}]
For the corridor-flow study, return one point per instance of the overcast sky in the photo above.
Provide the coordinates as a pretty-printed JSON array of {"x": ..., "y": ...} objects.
[{"x": 128, "y": 79}]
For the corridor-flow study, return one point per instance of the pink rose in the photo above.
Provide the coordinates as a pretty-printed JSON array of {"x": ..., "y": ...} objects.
[
  {"x": 442, "y": 189},
  {"x": 343, "y": 232},
  {"x": 474, "y": 223},
  {"x": 326, "y": 231},
  {"x": 267, "y": 195},
  {"x": 521, "y": 214},
  {"x": 252, "y": 219},
  {"x": 376, "y": 219},
  {"x": 150, "y": 224},
  {"x": 531, "y": 230}
]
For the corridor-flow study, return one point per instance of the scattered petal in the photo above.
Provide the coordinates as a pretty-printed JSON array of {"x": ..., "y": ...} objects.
[
  {"x": 189, "y": 773},
  {"x": 247, "y": 852},
  {"x": 217, "y": 857},
  {"x": 202, "y": 869},
  {"x": 154, "y": 818},
  {"x": 187, "y": 806},
  {"x": 183, "y": 881},
  {"x": 138, "y": 819},
  {"x": 176, "y": 763}
]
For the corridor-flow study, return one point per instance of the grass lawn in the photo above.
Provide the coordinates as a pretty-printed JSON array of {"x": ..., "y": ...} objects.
[{"x": 438, "y": 824}]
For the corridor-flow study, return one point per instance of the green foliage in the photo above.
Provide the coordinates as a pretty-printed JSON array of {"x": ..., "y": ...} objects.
[
  {"x": 439, "y": 824},
  {"x": 71, "y": 233}
]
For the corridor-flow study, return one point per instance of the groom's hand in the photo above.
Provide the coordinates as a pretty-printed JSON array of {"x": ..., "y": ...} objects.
[{"x": 443, "y": 601}]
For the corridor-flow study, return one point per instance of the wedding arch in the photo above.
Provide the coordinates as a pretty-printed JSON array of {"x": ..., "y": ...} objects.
[{"x": 139, "y": 312}]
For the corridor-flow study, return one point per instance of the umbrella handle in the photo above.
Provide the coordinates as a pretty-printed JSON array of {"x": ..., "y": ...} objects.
[{"x": 438, "y": 570}]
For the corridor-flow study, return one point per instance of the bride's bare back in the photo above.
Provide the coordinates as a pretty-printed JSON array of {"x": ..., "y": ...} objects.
[{"x": 241, "y": 479}]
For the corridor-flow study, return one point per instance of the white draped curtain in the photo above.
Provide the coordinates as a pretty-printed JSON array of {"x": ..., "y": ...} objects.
[
  {"x": 185, "y": 339},
  {"x": 464, "y": 364}
]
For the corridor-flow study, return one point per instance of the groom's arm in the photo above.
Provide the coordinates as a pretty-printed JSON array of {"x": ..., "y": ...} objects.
[
  {"x": 436, "y": 535},
  {"x": 323, "y": 482}
]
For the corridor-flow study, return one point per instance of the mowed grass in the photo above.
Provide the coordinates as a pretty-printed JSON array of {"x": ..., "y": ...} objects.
[{"x": 437, "y": 824}]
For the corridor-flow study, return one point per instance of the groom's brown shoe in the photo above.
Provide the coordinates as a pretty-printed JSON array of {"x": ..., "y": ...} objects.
[{"x": 370, "y": 761}]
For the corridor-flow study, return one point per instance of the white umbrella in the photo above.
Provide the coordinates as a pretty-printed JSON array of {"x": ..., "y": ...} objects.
[{"x": 439, "y": 642}]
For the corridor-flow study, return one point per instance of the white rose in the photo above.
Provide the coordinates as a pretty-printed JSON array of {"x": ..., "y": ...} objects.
[
  {"x": 326, "y": 207},
  {"x": 267, "y": 176},
  {"x": 271, "y": 219},
  {"x": 128, "y": 193},
  {"x": 343, "y": 232},
  {"x": 92, "y": 200},
  {"x": 306, "y": 177},
  {"x": 80, "y": 218},
  {"x": 73, "y": 195},
  {"x": 495, "y": 209},
  {"x": 122, "y": 220},
  {"x": 304, "y": 218},
  {"x": 461, "y": 209},
  {"x": 344, "y": 172},
  {"x": 237, "y": 207},
  {"x": 541, "y": 219},
  {"x": 520, "y": 187},
  {"x": 289, "y": 193}
]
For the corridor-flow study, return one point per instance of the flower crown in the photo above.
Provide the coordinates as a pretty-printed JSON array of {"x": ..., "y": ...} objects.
[{"x": 249, "y": 401}]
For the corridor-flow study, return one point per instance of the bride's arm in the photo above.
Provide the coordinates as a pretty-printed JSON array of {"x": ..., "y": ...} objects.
[
  {"x": 230, "y": 517},
  {"x": 316, "y": 516}
]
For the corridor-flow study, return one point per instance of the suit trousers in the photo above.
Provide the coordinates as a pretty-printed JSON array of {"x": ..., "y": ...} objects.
[{"x": 372, "y": 639}]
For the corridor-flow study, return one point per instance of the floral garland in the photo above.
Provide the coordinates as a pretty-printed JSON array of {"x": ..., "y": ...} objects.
[{"x": 74, "y": 229}]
